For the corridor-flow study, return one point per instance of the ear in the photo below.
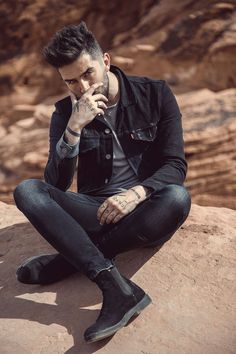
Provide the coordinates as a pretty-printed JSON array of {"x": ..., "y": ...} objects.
[{"x": 107, "y": 61}]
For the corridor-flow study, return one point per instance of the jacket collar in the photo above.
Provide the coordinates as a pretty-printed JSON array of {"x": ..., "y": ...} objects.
[{"x": 127, "y": 95}]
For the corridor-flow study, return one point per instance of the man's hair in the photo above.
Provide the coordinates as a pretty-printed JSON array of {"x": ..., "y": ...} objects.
[{"x": 68, "y": 44}]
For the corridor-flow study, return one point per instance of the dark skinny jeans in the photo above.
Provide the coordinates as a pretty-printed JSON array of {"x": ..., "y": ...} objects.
[{"x": 68, "y": 221}]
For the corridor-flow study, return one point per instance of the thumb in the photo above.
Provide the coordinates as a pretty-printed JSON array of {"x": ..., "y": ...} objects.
[{"x": 73, "y": 98}]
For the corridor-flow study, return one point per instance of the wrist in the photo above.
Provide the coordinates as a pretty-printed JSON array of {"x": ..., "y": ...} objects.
[
  {"x": 139, "y": 192},
  {"x": 147, "y": 190},
  {"x": 74, "y": 123},
  {"x": 73, "y": 132},
  {"x": 144, "y": 192},
  {"x": 72, "y": 137},
  {"x": 137, "y": 195}
]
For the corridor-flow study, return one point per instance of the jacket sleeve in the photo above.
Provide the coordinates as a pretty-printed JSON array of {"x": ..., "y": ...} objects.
[
  {"x": 61, "y": 164},
  {"x": 172, "y": 166}
]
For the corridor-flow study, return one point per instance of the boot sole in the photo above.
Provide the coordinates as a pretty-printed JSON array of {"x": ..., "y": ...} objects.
[{"x": 134, "y": 312}]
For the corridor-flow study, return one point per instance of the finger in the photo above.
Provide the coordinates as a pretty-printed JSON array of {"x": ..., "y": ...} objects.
[
  {"x": 117, "y": 218},
  {"x": 93, "y": 87},
  {"x": 114, "y": 210},
  {"x": 100, "y": 111},
  {"x": 101, "y": 105},
  {"x": 73, "y": 98},
  {"x": 101, "y": 209},
  {"x": 104, "y": 216},
  {"x": 100, "y": 97},
  {"x": 111, "y": 217}
]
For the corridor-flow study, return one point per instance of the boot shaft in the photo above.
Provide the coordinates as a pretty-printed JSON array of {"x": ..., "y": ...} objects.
[{"x": 113, "y": 283}]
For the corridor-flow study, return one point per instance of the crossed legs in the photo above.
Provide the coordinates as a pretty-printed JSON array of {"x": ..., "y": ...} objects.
[{"x": 68, "y": 222}]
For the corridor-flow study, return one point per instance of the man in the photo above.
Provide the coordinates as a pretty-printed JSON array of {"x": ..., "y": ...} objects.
[{"x": 126, "y": 134}]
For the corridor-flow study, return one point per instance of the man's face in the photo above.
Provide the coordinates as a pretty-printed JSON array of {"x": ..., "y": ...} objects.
[{"x": 84, "y": 72}]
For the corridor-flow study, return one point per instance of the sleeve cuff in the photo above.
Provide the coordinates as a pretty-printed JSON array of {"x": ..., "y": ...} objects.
[{"x": 65, "y": 150}]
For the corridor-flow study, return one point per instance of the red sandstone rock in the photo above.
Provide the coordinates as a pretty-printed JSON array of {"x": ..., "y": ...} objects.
[
  {"x": 192, "y": 46},
  {"x": 210, "y": 132}
]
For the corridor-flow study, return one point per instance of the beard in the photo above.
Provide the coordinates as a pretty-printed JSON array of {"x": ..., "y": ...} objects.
[{"x": 104, "y": 90}]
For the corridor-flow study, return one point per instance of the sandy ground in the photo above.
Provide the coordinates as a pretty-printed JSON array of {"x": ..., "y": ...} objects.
[{"x": 191, "y": 280}]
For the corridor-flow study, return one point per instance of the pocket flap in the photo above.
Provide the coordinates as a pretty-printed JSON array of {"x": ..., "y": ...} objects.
[{"x": 145, "y": 134}]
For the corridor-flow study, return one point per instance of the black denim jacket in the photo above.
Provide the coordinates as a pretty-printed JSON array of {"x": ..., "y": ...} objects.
[{"x": 149, "y": 129}]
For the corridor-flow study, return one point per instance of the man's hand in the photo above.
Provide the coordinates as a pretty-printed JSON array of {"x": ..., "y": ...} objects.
[
  {"x": 87, "y": 107},
  {"x": 117, "y": 206}
]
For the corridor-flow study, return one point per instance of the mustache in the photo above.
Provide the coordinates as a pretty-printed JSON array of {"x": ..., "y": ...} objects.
[{"x": 97, "y": 91}]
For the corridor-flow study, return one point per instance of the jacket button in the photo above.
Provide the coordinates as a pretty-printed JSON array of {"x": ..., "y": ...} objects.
[
  {"x": 107, "y": 131},
  {"x": 64, "y": 151},
  {"x": 108, "y": 156}
]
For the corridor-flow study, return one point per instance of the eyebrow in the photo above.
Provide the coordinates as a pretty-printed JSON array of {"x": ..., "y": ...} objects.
[{"x": 80, "y": 75}]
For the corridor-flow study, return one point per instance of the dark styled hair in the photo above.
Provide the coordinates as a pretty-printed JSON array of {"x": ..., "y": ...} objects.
[{"x": 68, "y": 43}]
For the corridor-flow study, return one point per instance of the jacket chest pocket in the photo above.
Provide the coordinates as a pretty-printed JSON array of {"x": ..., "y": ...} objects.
[
  {"x": 145, "y": 134},
  {"x": 137, "y": 141}
]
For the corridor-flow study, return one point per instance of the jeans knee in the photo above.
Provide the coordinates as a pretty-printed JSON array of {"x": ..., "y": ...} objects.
[
  {"x": 24, "y": 191},
  {"x": 180, "y": 199}
]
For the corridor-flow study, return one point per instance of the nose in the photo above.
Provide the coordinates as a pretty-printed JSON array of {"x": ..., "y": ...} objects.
[{"x": 83, "y": 86}]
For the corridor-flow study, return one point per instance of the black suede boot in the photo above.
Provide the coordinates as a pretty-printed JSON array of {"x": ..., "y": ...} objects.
[
  {"x": 122, "y": 299},
  {"x": 44, "y": 269}
]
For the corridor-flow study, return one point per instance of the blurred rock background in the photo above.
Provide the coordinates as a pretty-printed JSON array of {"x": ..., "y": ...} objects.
[{"x": 191, "y": 44}]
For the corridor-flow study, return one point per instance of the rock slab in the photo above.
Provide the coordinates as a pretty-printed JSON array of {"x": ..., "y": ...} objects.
[{"x": 191, "y": 280}]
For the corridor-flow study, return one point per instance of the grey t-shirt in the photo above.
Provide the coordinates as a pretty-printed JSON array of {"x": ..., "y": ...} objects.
[{"x": 123, "y": 177}]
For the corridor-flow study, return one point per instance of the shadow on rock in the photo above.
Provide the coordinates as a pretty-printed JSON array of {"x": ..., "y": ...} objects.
[{"x": 77, "y": 301}]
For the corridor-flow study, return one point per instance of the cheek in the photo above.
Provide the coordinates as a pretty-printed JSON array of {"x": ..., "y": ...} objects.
[
  {"x": 98, "y": 76},
  {"x": 93, "y": 79}
]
